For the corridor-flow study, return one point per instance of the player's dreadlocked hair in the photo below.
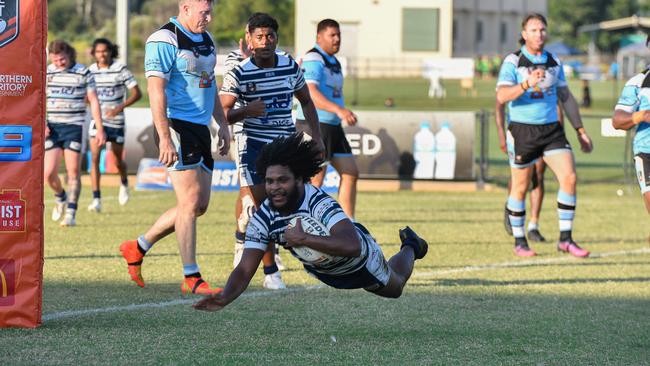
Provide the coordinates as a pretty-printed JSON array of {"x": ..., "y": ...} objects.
[{"x": 302, "y": 157}]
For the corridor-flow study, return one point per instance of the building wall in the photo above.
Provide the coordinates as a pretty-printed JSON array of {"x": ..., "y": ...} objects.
[
  {"x": 501, "y": 25},
  {"x": 370, "y": 28}
]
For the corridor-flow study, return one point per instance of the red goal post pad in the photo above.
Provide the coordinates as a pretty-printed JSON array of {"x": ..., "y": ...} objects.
[{"x": 23, "y": 37}]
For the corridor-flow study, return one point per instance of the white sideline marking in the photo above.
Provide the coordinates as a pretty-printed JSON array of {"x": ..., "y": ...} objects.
[
  {"x": 526, "y": 263},
  {"x": 115, "y": 309}
]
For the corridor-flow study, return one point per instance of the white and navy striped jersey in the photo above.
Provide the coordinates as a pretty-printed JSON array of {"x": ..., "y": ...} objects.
[
  {"x": 66, "y": 94},
  {"x": 112, "y": 84},
  {"x": 234, "y": 58},
  {"x": 268, "y": 225},
  {"x": 275, "y": 86}
]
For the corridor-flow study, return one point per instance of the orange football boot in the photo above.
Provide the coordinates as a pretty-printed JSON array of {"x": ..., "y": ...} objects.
[
  {"x": 196, "y": 285},
  {"x": 134, "y": 258}
]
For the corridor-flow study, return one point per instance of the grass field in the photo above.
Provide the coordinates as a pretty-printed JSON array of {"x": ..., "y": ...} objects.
[{"x": 469, "y": 302}]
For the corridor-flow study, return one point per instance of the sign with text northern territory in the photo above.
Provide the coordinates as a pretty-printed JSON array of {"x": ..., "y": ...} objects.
[{"x": 23, "y": 36}]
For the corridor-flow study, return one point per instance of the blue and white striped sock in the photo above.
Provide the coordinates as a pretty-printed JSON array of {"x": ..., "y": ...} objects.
[
  {"x": 144, "y": 244},
  {"x": 566, "y": 209},
  {"x": 191, "y": 270},
  {"x": 517, "y": 216}
]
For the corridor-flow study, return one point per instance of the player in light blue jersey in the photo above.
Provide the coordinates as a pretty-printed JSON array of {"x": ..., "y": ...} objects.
[
  {"x": 69, "y": 85},
  {"x": 113, "y": 80},
  {"x": 356, "y": 261},
  {"x": 324, "y": 78},
  {"x": 633, "y": 110},
  {"x": 532, "y": 81},
  {"x": 264, "y": 86},
  {"x": 179, "y": 64}
]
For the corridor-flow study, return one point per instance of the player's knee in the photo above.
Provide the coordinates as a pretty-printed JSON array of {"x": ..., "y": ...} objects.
[
  {"x": 570, "y": 179},
  {"x": 248, "y": 209}
]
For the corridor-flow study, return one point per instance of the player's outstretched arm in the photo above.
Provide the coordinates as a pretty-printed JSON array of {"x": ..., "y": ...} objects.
[
  {"x": 343, "y": 240},
  {"x": 237, "y": 282}
]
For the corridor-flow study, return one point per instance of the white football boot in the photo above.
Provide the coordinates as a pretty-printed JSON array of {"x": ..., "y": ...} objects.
[
  {"x": 274, "y": 281},
  {"x": 57, "y": 211},
  {"x": 239, "y": 250},
  {"x": 68, "y": 219},
  {"x": 95, "y": 205},
  {"x": 279, "y": 263},
  {"x": 123, "y": 196}
]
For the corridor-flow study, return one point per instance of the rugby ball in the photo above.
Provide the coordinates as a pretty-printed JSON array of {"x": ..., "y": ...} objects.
[{"x": 313, "y": 227}]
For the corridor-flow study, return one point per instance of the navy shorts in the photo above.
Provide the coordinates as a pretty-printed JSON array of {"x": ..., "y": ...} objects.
[
  {"x": 247, "y": 152},
  {"x": 336, "y": 144},
  {"x": 113, "y": 134},
  {"x": 64, "y": 136},
  {"x": 193, "y": 144}
]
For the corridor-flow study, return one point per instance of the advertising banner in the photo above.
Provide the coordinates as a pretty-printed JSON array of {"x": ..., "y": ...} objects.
[
  {"x": 387, "y": 145},
  {"x": 23, "y": 35}
]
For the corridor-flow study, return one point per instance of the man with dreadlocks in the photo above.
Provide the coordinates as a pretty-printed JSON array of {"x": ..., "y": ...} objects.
[{"x": 286, "y": 165}]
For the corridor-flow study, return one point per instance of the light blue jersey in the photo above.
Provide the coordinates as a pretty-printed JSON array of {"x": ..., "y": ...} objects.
[
  {"x": 187, "y": 61},
  {"x": 636, "y": 97},
  {"x": 324, "y": 71},
  {"x": 66, "y": 94},
  {"x": 538, "y": 105}
]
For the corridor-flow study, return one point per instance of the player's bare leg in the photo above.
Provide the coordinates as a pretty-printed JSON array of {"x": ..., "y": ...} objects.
[
  {"x": 95, "y": 176},
  {"x": 72, "y": 168},
  {"x": 536, "y": 198},
  {"x": 347, "y": 169},
  {"x": 563, "y": 166},
  {"x": 118, "y": 151},
  {"x": 401, "y": 264},
  {"x": 516, "y": 209},
  {"x": 272, "y": 277},
  {"x": 51, "y": 172}
]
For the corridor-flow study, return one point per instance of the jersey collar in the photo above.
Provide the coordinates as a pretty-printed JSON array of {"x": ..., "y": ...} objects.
[
  {"x": 534, "y": 58},
  {"x": 196, "y": 37}
]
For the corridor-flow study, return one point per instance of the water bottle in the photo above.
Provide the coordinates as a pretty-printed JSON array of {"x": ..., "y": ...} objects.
[
  {"x": 445, "y": 153},
  {"x": 424, "y": 151}
]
